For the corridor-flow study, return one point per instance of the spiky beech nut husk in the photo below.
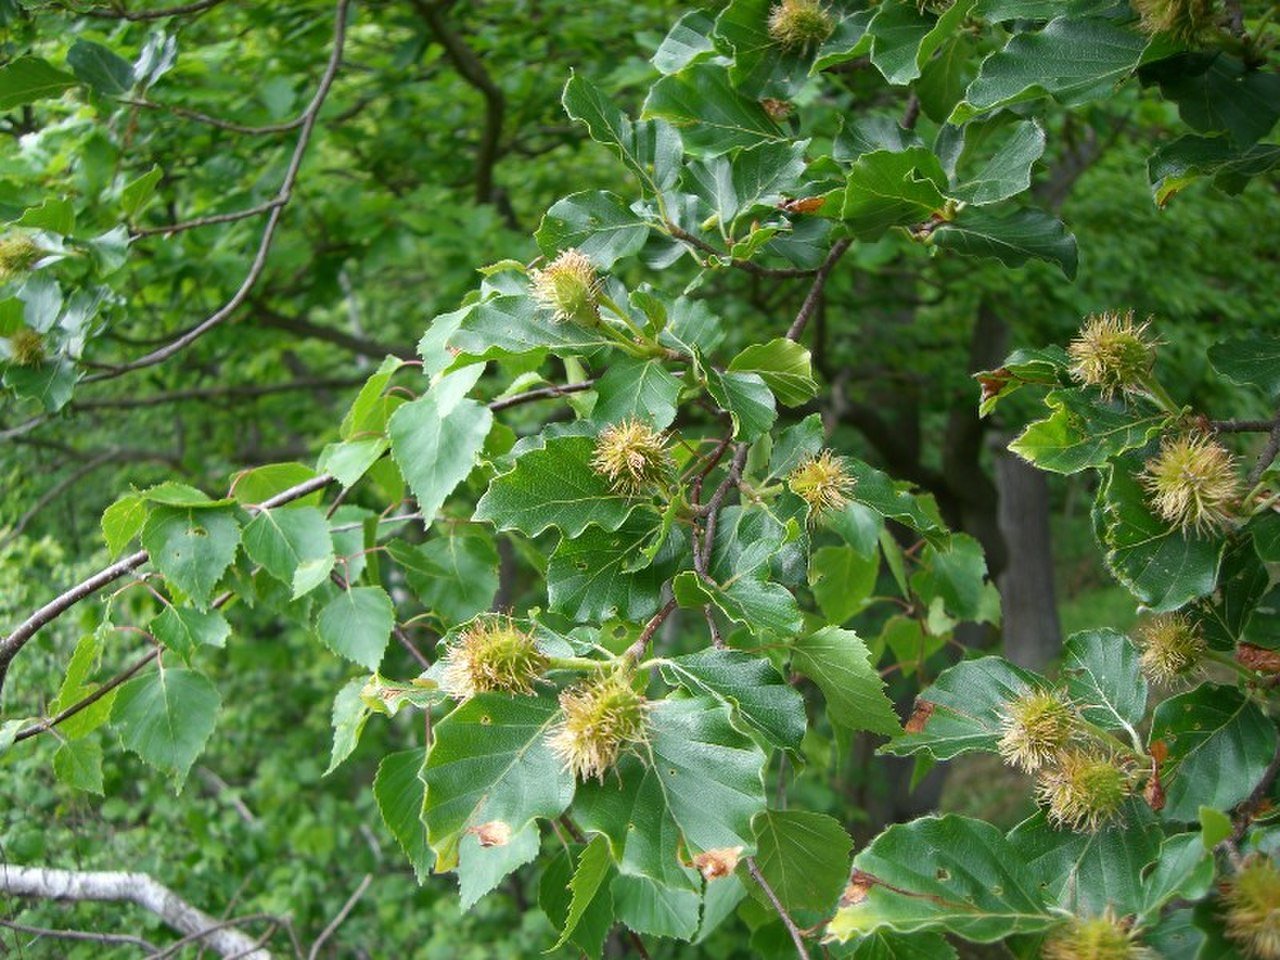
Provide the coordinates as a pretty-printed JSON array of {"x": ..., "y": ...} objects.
[
  {"x": 1096, "y": 938},
  {"x": 1084, "y": 789},
  {"x": 1193, "y": 483},
  {"x": 800, "y": 23},
  {"x": 568, "y": 285},
  {"x": 1172, "y": 647},
  {"x": 823, "y": 482},
  {"x": 26, "y": 348},
  {"x": 1185, "y": 20},
  {"x": 632, "y": 456},
  {"x": 1037, "y": 727},
  {"x": 1252, "y": 902},
  {"x": 492, "y": 653},
  {"x": 718, "y": 862},
  {"x": 601, "y": 717},
  {"x": 18, "y": 254},
  {"x": 1112, "y": 352}
]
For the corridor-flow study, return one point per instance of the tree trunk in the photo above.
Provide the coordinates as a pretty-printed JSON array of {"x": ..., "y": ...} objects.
[{"x": 1032, "y": 633}]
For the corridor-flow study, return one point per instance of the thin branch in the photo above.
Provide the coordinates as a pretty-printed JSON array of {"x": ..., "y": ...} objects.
[
  {"x": 636, "y": 650},
  {"x": 1241, "y": 426},
  {"x": 58, "y": 489},
  {"x": 231, "y": 391},
  {"x": 796, "y": 937},
  {"x": 541, "y": 393},
  {"x": 121, "y": 939},
  {"x": 749, "y": 266},
  {"x": 227, "y": 125},
  {"x": 213, "y": 219},
  {"x": 38, "y": 728},
  {"x": 273, "y": 219},
  {"x": 15, "y": 641},
  {"x": 810, "y": 305},
  {"x": 174, "y": 948},
  {"x": 473, "y": 71},
  {"x": 137, "y": 888},
  {"x": 200, "y": 6},
  {"x": 1268, "y": 455},
  {"x": 336, "y": 922}
]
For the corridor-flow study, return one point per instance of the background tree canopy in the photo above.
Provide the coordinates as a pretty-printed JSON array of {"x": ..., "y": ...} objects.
[{"x": 742, "y": 480}]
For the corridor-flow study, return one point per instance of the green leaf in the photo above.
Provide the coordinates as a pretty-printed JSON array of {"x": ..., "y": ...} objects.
[
  {"x": 1184, "y": 869},
  {"x": 1221, "y": 94},
  {"x": 588, "y": 887},
  {"x": 108, "y": 74},
  {"x": 1013, "y": 239},
  {"x": 192, "y": 547},
  {"x": 746, "y": 541},
  {"x": 1088, "y": 872},
  {"x": 78, "y": 764},
  {"x": 688, "y": 39},
  {"x": 905, "y": 37},
  {"x": 746, "y": 182},
  {"x": 893, "y": 499},
  {"x": 455, "y": 575},
  {"x": 1159, "y": 564},
  {"x": 1009, "y": 150},
  {"x": 28, "y": 79},
  {"x": 293, "y": 545},
  {"x": 1176, "y": 165},
  {"x": 596, "y": 222},
  {"x": 436, "y": 439},
  {"x": 784, "y": 367},
  {"x": 804, "y": 857},
  {"x": 712, "y": 116},
  {"x": 634, "y": 389},
  {"x": 840, "y": 664},
  {"x": 554, "y": 485},
  {"x": 761, "y": 66},
  {"x": 356, "y": 624},
  {"x": 748, "y": 400},
  {"x": 482, "y": 867},
  {"x": 137, "y": 193},
  {"x": 887, "y": 189},
  {"x": 165, "y": 716},
  {"x": 491, "y": 762},
  {"x": 655, "y": 909},
  {"x": 603, "y": 574},
  {"x": 950, "y": 873},
  {"x": 883, "y": 945},
  {"x": 50, "y": 384},
  {"x": 351, "y": 460},
  {"x": 53, "y": 214},
  {"x": 842, "y": 581},
  {"x": 1215, "y": 826},
  {"x": 122, "y": 521},
  {"x": 955, "y": 571},
  {"x": 399, "y": 792},
  {"x": 1220, "y": 745},
  {"x": 1073, "y": 60},
  {"x": 1083, "y": 433},
  {"x": 751, "y": 686},
  {"x": 76, "y": 686},
  {"x": 184, "y": 630},
  {"x": 503, "y": 327},
  {"x": 650, "y": 149},
  {"x": 1101, "y": 670},
  {"x": 963, "y": 709},
  {"x": 1254, "y": 362},
  {"x": 556, "y": 896},
  {"x": 348, "y": 719}
]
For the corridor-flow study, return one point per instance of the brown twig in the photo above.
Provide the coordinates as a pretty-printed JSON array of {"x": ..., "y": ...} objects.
[
  {"x": 796, "y": 937},
  {"x": 747, "y": 265},
  {"x": 276, "y": 206},
  {"x": 541, "y": 393},
  {"x": 636, "y": 650},
  {"x": 200, "y": 6},
  {"x": 228, "y": 125},
  {"x": 44, "y": 725},
  {"x": 1268, "y": 454},
  {"x": 814, "y": 297},
  {"x": 336, "y": 922},
  {"x": 120, "y": 939}
]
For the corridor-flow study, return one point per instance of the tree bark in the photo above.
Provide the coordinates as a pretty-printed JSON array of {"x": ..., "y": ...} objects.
[{"x": 139, "y": 888}]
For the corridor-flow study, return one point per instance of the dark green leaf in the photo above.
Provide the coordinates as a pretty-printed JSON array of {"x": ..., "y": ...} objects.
[
  {"x": 107, "y": 73},
  {"x": 637, "y": 389},
  {"x": 839, "y": 663},
  {"x": 28, "y": 79},
  {"x": 165, "y": 716},
  {"x": 804, "y": 857},
  {"x": 1101, "y": 670},
  {"x": 399, "y": 792},
  {"x": 192, "y": 547},
  {"x": 1014, "y": 239},
  {"x": 1083, "y": 433},
  {"x": 750, "y": 685},
  {"x": 596, "y": 222}
]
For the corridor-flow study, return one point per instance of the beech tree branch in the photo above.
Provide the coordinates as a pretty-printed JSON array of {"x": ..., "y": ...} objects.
[
  {"x": 121, "y": 939},
  {"x": 199, "y": 6},
  {"x": 746, "y": 265},
  {"x": 810, "y": 305},
  {"x": 276, "y": 207},
  {"x": 796, "y": 936},
  {"x": 138, "y": 888}
]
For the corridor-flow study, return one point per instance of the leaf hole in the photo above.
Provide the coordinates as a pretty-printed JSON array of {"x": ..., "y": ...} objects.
[{"x": 942, "y": 874}]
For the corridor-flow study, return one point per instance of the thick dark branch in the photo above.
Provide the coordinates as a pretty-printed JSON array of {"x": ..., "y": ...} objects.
[
  {"x": 232, "y": 391},
  {"x": 473, "y": 72},
  {"x": 276, "y": 206},
  {"x": 305, "y": 328},
  {"x": 1269, "y": 452},
  {"x": 750, "y": 267},
  {"x": 810, "y": 305}
]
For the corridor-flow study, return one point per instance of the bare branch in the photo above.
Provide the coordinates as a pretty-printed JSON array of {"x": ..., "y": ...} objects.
[
  {"x": 227, "y": 125},
  {"x": 541, "y": 393},
  {"x": 38, "y": 728},
  {"x": 111, "y": 938},
  {"x": 276, "y": 207},
  {"x": 747, "y": 265},
  {"x": 796, "y": 936},
  {"x": 1268, "y": 455},
  {"x": 342, "y": 915},
  {"x": 810, "y": 305},
  {"x": 139, "y": 888},
  {"x": 231, "y": 391},
  {"x": 200, "y": 6}
]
